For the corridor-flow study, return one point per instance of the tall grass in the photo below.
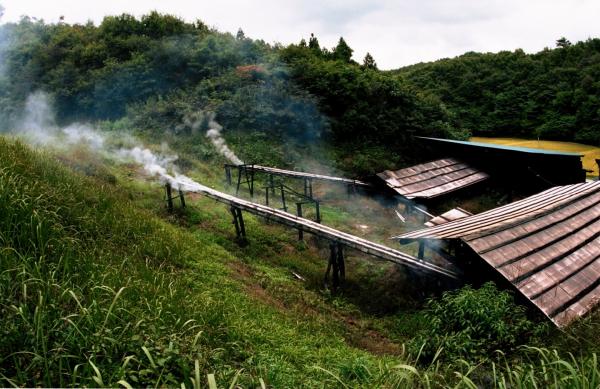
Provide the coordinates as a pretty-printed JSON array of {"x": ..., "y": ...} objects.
[{"x": 95, "y": 291}]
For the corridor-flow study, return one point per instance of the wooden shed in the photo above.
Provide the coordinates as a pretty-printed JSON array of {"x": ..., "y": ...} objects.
[
  {"x": 524, "y": 168},
  {"x": 546, "y": 245}
]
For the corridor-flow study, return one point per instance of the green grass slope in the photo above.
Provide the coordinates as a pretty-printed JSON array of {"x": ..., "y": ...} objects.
[
  {"x": 96, "y": 291},
  {"x": 99, "y": 287}
]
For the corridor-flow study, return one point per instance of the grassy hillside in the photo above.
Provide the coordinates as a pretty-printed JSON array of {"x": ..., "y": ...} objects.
[
  {"x": 96, "y": 290},
  {"x": 101, "y": 287}
]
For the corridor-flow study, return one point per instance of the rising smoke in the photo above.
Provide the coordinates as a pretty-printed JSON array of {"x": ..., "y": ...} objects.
[
  {"x": 38, "y": 127},
  {"x": 215, "y": 136}
]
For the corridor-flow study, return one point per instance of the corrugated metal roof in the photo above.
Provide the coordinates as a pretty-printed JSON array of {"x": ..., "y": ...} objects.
[
  {"x": 432, "y": 179},
  {"x": 451, "y": 215},
  {"x": 547, "y": 245},
  {"x": 504, "y": 147}
]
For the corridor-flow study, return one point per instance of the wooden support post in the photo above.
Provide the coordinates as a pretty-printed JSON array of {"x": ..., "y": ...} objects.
[
  {"x": 299, "y": 213},
  {"x": 336, "y": 266},
  {"x": 335, "y": 277},
  {"x": 242, "y": 225},
  {"x": 238, "y": 222},
  {"x": 272, "y": 184},
  {"x": 310, "y": 189},
  {"x": 421, "y": 249},
  {"x": 283, "y": 199},
  {"x": 239, "y": 180},
  {"x": 329, "y": 264},
  {"x": 181, "y": 198},
  {"x": 267, "y": 196},
  {"x": 169, "y": 197},
  {"x": 333, "y": 267},
  {"x": 341, "y": 263},
  {"x": 251, "y": 184},
  {"x": 318, "y": 209},
  {"x": 228, "y": 174},
  {"x": 235, "y": 222}
]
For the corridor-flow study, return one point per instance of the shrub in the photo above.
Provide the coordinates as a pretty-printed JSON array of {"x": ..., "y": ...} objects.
[{"x": 472, "y": 323}]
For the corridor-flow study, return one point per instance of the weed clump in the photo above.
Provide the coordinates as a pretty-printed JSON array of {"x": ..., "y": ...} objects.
[{"x": 471, "y": 324}]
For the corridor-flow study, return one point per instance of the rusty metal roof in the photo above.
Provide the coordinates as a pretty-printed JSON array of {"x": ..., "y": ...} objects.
[
  {"x": 451, "y": 215},
  {"x": 495, "y": 146},
  {"x": 432, "y": 179},
  {"x": 546, "y": 245}
]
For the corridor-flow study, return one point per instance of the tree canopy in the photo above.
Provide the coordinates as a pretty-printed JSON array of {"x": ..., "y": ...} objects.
[{"x": 553, "y": 94}]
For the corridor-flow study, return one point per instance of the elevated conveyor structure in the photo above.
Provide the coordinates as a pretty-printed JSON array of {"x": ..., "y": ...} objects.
[
  {"x": 311, "y": 176},
  {"x": 331, "y": 234},
  {"x": 246, "y": 176}
]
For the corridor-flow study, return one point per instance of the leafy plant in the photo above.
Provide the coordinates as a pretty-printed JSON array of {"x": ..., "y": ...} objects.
[{"x": 472, "y": 323}]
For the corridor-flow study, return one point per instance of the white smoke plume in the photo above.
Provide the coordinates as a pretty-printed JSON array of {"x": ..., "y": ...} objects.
[
  {"x": 4, "y": 44},
  {"x": 158, "y": 165},
  {"x": 38, "y": 127},
  {"x": 215, "y": 136}
]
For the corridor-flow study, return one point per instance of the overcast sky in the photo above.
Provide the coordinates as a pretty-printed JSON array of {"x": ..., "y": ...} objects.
[{"x": 397, "y": 33}]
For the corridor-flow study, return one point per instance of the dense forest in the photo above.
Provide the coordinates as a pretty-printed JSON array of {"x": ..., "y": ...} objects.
[
  {"x": 159, "y": 72},
  {"x": 553, "y": 94}
]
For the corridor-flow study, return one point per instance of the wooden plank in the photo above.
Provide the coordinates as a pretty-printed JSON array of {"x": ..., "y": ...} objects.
[
  {"x": 435, "y": 181},
  {"x": 526, "y": 208},
  {"x": 578, "y": 309},
  {"x": 541, "y": 206},
  {"x": 428, "y": 175},
  {"x": 544, "y": 246},
  {"x": 418, "y": 169},
  {"x": 451, "y": 215},
  {"x": 551, "y": 301},
  {"x": 586, "y": 209},
  {"x": 554, "y": 274},
  {"x": 297, "y": 174},
  {"x": 450, "y": 186},
  {"x": 507, "y": 234}
]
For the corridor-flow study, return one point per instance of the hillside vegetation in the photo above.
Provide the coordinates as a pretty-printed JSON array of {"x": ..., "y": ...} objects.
[
  {"x": 550, "y": 95},
  {"x": 101, "y": 286},
  {"x": 97, "y": 291},
  {"x": 161, "y": 72}
]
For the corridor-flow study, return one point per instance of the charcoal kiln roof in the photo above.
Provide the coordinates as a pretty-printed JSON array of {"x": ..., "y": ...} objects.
[
  {"x": 547, "y": 245},
  {"x": 432, "y": 179}
]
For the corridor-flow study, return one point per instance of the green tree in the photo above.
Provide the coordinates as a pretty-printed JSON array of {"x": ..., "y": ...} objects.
[
  {"x": 342, "y": 51},
  {"x": 313, "y": 43},
  {"x": 240, "y": 34},
  {"x": 563, "y": 42},
  {"x": 369, "y": 62}
]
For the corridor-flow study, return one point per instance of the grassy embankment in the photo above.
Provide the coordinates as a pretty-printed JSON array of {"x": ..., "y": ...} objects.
[{"x": 99, "y": 287}]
